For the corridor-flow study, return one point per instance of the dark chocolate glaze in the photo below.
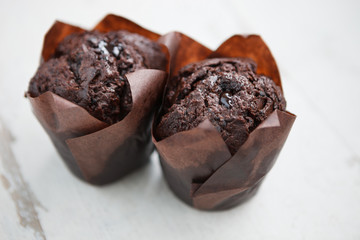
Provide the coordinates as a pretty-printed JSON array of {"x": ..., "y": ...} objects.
[{"x": 227, "y": 91}]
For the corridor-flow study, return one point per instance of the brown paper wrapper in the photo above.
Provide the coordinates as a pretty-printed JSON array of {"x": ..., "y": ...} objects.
[
  {"x": 93, "y": 150},
  {"x": 197, "y": 163}
]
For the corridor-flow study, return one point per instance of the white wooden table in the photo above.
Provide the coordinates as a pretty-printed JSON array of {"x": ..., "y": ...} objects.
[{"x": 313, "y": 191}]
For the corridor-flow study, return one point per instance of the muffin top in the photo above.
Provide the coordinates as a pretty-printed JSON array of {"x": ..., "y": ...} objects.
[
  {"x": 89, "y": 70},
  {"x": 227, "y": 91}
]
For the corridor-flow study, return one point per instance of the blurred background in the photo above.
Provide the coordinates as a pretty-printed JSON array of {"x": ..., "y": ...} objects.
[{"x": 312, "y": 192}]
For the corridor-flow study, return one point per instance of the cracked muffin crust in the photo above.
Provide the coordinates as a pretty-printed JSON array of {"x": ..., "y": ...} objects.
[
  {"x": 227, "y": 91},
  {"x": 89, "y": 70}
]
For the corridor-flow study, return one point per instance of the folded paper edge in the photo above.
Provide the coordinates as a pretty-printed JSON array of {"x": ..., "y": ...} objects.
[
  {"x": 271, "y": 121},
  {"x": 127, "y": 22},
  {"x": 290, "y": 120},
  {"x": 55, "y": 35},
  {"x": 56, "y": 32},
  {"x": 175, "y": 40},
  {"x": 72, "y": 142},
  {"x": 205, "y": 126},
  {"x": 60, "y": 104}
]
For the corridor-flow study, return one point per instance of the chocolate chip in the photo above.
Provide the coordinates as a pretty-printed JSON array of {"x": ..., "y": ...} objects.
[{"x": 206, "y": 103}]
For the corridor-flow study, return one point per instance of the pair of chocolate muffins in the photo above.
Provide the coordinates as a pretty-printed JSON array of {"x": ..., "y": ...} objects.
[
  {"x": 89, "y": 70},
  {"x": 106, "y": 97}
]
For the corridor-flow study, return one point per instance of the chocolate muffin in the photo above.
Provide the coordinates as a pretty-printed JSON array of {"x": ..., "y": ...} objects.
[
  {"x": 227, "y": 91},
  {"x": 89, "y": 70}
]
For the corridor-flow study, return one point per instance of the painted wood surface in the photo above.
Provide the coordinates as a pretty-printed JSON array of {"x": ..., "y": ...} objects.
[{"x": 313, "y": 191}]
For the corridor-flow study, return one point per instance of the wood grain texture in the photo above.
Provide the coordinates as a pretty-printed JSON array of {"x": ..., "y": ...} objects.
[{"x": 13, "y": 181}]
